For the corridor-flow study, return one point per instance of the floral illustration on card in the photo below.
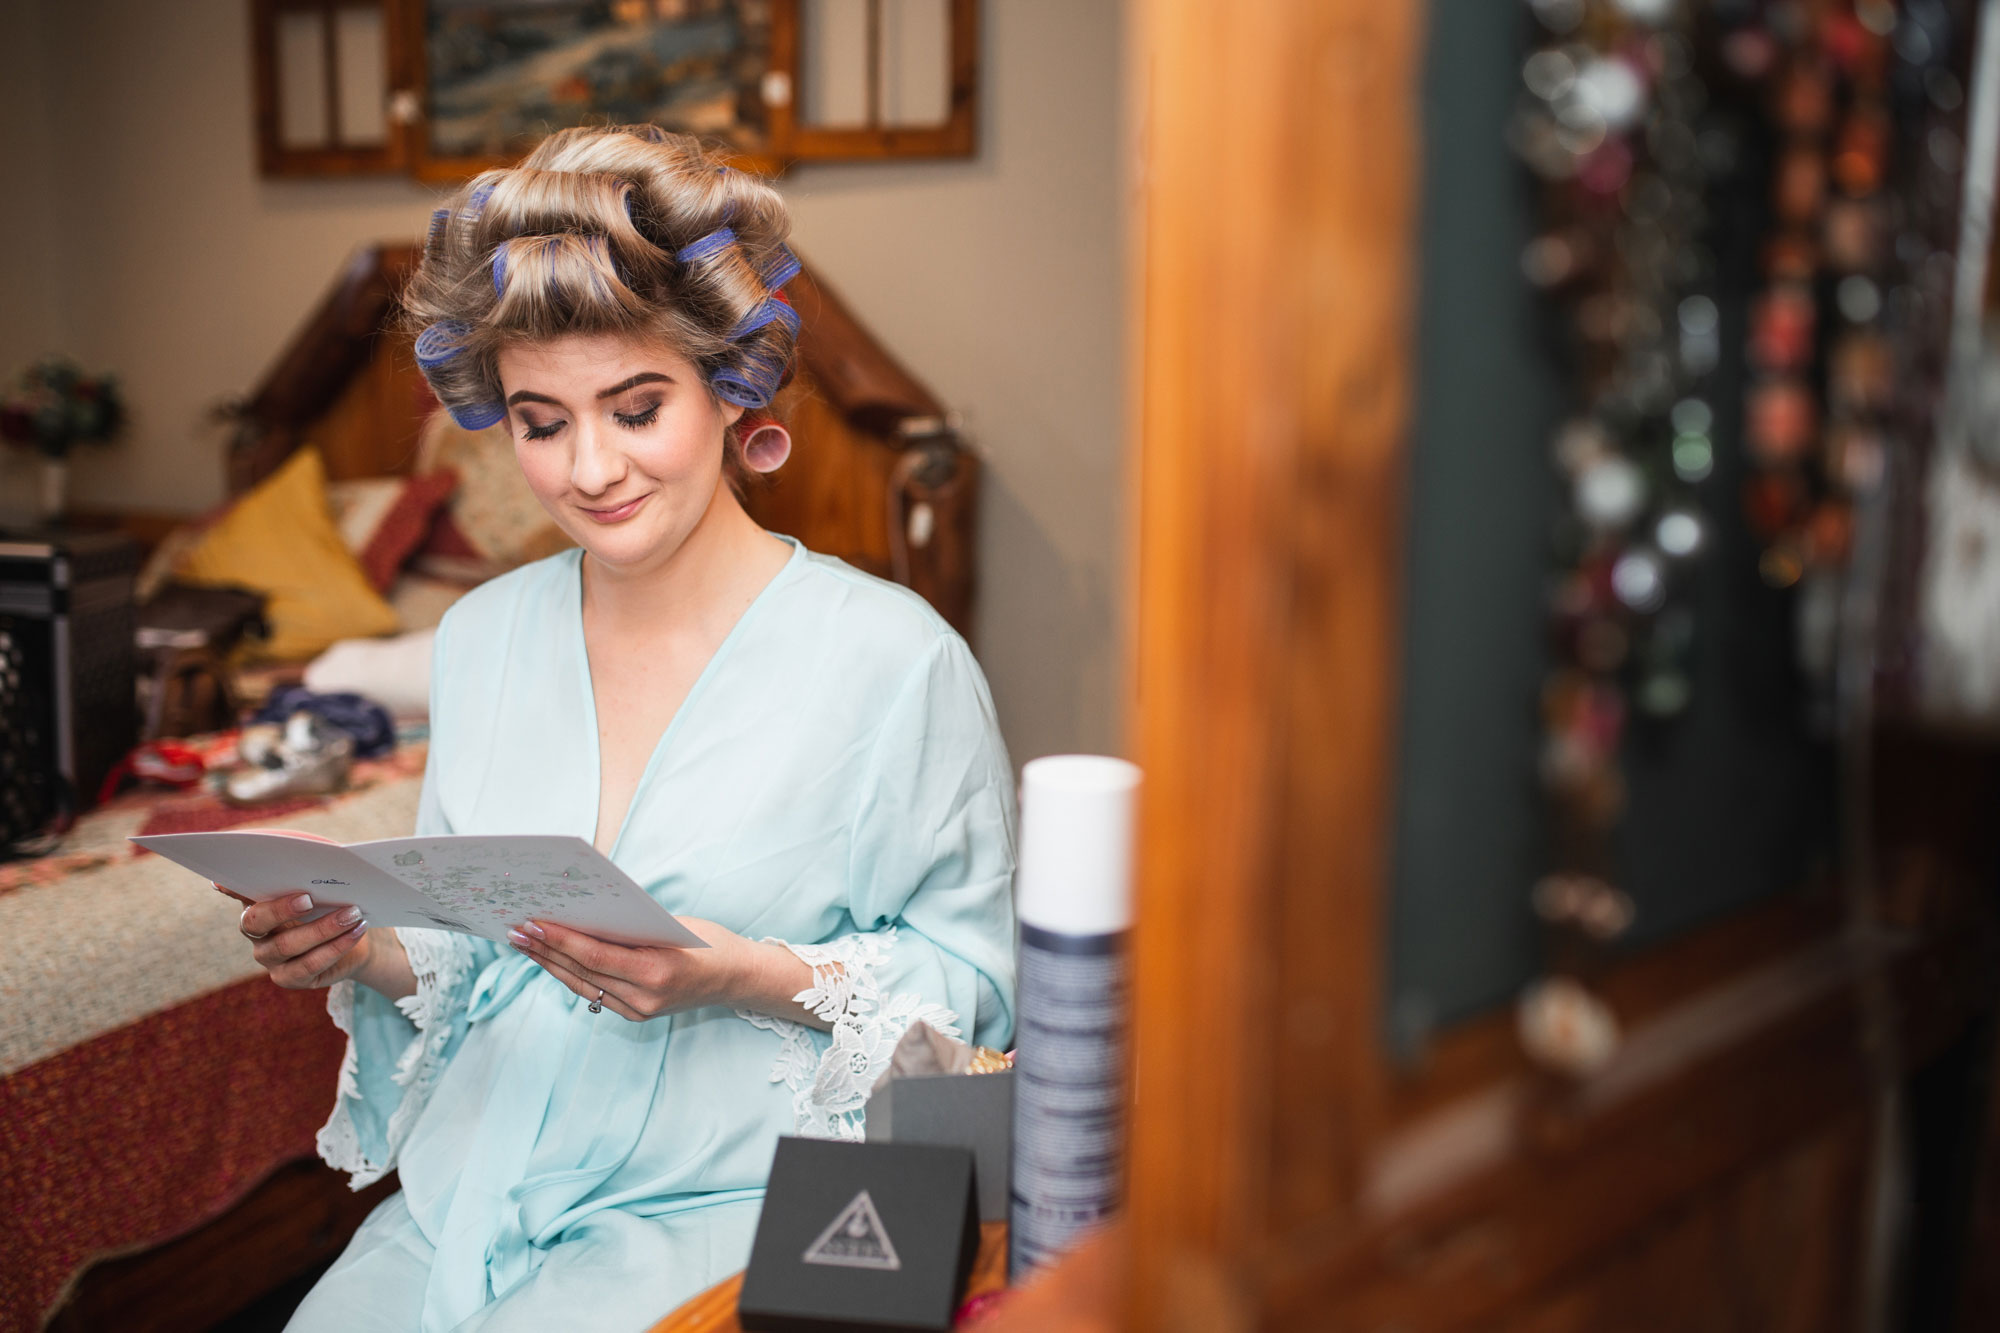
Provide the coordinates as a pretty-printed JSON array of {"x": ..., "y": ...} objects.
[{"x": 504, "y": 881}]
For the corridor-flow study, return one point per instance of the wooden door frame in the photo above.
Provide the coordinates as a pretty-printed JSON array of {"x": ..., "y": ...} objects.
[{"x": 1276, "y": 314}]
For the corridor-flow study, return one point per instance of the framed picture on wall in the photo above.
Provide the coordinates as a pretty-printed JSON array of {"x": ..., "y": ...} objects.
[
  {"x": 442, "y": 89},
  {"x": 500, "y": 74}
]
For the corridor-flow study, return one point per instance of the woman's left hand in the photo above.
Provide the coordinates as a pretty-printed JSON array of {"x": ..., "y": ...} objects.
[{"x": 640, "y": 983}]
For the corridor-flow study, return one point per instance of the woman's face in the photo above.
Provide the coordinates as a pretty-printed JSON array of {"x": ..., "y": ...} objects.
[{"x": 619, "y": 439}]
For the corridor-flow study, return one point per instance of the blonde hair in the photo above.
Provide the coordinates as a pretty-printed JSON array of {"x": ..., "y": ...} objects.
[{"x": 625, "y": 230}]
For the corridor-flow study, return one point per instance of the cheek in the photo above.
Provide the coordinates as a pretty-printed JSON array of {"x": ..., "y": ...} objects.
[
  {"x": 685, "y": 447},
  {"x": 545, "y": 467}
]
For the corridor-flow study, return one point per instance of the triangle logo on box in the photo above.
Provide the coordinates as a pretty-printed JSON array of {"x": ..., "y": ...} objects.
[{"x": 855, "y": 1239}]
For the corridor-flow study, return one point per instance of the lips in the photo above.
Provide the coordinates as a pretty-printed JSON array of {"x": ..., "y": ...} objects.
[{"x": 617, "y": 514}]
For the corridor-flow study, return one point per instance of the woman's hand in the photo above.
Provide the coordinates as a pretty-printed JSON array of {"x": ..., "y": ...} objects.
[
  {"x": 307, "y": 955},
  {"x": 642, "y": 983}
]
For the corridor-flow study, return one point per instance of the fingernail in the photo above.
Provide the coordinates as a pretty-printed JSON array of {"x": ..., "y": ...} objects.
[
  {"x": 302, "y": 903},
  {"x": 518, "y": 940},
  {"x": 359, "y": 928},
  {"x": 349, "y": 915},
  {"x": 535, "y": 930}
]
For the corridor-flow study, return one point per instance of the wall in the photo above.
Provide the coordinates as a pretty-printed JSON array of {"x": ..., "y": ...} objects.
[
  {"x": 30, "y": 311},
  {"x": 997, "y": 280}
]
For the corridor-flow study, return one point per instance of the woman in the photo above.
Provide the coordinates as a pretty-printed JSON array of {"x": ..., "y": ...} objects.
[{"x": 798, "y": 760}]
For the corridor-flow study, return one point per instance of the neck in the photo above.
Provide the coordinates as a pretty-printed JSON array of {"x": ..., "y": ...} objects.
[{"x": 722, "y": 556}]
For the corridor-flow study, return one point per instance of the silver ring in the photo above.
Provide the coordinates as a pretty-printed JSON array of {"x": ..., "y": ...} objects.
[
  {"x": 247, "y": 935},
  {"x": 597, "y": 1005}
]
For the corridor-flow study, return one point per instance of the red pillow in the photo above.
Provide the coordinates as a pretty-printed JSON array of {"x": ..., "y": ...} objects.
[{"x": 383, "y": 536}]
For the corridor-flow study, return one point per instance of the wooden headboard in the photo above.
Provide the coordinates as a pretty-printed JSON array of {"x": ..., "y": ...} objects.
[{"x": 876, "y": 477}]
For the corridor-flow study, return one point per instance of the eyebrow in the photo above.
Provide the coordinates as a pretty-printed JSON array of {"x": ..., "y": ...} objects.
[{"x": 643, "y": 377}]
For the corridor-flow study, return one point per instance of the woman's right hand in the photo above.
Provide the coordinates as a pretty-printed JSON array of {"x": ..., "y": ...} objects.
[{"x": 306, "y": 955}]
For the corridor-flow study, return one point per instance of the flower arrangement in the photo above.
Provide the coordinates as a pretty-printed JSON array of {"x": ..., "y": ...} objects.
[{"x": 52, "y": 406}]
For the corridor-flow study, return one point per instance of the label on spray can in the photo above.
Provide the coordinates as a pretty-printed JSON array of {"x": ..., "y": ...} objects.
[{"x": 1069, "y": 1090}]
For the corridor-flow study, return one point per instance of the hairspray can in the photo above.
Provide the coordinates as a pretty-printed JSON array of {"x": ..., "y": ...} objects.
[{"x": 1074, "y": 898}]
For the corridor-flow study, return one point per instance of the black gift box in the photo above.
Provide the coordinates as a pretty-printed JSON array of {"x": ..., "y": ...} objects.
[
  {"x": 861, "y": 1236},
  {"x": 974, "y": 1111}
]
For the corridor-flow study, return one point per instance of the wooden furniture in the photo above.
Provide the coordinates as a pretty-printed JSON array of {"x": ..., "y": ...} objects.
[
  {"x": 199, "y": 1279},
  {"x": 714, "y": 1311},
  {"x": 877, "y": 476},
  {"x": 342, "y": 87},
  {"x": 1727, "y": 1169}
]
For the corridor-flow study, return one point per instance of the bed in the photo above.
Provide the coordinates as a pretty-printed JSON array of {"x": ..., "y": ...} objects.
[{"x": 160, "y": 1159}]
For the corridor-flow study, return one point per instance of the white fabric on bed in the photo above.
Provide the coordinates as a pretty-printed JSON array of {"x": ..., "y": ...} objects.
[{"x": 394, "y": 672}]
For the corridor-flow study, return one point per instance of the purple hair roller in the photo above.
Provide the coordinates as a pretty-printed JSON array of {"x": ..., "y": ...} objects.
[
  {"x": 439, "y": 219},
  {"x": 500, "y": 269},
  {"x": 752, "y": 380},
  {"x": 479, "y": 416},
  {"x": 733, "y": 387},
  {"x": 767, "y": 310},
  {"x": 784, "y": 270},
  {"x": 715, "y": 242},
  {"x": 441, "y": 342}
]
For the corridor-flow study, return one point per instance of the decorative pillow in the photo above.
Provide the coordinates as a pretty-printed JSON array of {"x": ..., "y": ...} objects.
[
  {"x": 279, "y": 539},
  {"x": 446, "y": 554},
  {"x": 383, "y": 520},
  {"x": 493, "y": 515}
]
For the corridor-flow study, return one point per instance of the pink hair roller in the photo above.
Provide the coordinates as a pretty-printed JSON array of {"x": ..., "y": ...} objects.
[{"x": 766, "y": 445}]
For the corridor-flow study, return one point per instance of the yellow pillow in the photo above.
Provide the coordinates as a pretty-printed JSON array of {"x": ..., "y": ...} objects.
[{"x": 280, "y": 540}]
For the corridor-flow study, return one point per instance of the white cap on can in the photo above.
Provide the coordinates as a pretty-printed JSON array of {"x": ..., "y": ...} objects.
[{"x": 1077, "y": 813}]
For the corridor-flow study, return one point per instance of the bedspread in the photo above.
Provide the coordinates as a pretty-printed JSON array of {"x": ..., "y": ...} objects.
[{"x": 150, "y": 1076}]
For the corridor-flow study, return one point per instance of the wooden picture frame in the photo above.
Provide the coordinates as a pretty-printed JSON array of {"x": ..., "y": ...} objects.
[{"x": 408, "y": 148}]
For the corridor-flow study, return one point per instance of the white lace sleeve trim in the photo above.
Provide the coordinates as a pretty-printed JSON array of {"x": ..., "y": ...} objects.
[
  {"x": 441, "y": 961},
  {"x": 830, "y": 1087}
]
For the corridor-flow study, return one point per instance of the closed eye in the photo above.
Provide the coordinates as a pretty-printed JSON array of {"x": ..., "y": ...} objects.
[
  {"x": 533, "y": 432},
  {"x": 639, "y": 420}
]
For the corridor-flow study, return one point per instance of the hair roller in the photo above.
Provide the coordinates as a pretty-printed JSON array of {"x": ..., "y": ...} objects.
[
  {"x": 566, "y": 282},
  {"x": 766, "y": 443},
  {"x": 475, "y": 203},
  {"x": 441, "y": 342},
  {"x": 712, "y": 244},
  {"x": 764, "y": 312},
  {"x": 783, "y": 270},
  {"x": 478, "y": 416},
  {"x": 439, "y": 220},
  {"x": 752, "y": 379}
]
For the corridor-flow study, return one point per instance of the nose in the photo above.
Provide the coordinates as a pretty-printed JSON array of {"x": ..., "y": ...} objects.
[{"x": 598, "y": 463}]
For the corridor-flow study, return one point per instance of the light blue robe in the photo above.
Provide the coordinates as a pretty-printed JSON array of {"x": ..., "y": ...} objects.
[{"x": 835, "y": 779}]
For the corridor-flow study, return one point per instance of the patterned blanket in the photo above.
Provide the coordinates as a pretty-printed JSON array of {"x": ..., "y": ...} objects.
[{"x": 150, "y": 1077}]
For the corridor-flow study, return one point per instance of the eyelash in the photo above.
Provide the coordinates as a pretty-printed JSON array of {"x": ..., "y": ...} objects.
[{"x": 639, "y": 421}]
